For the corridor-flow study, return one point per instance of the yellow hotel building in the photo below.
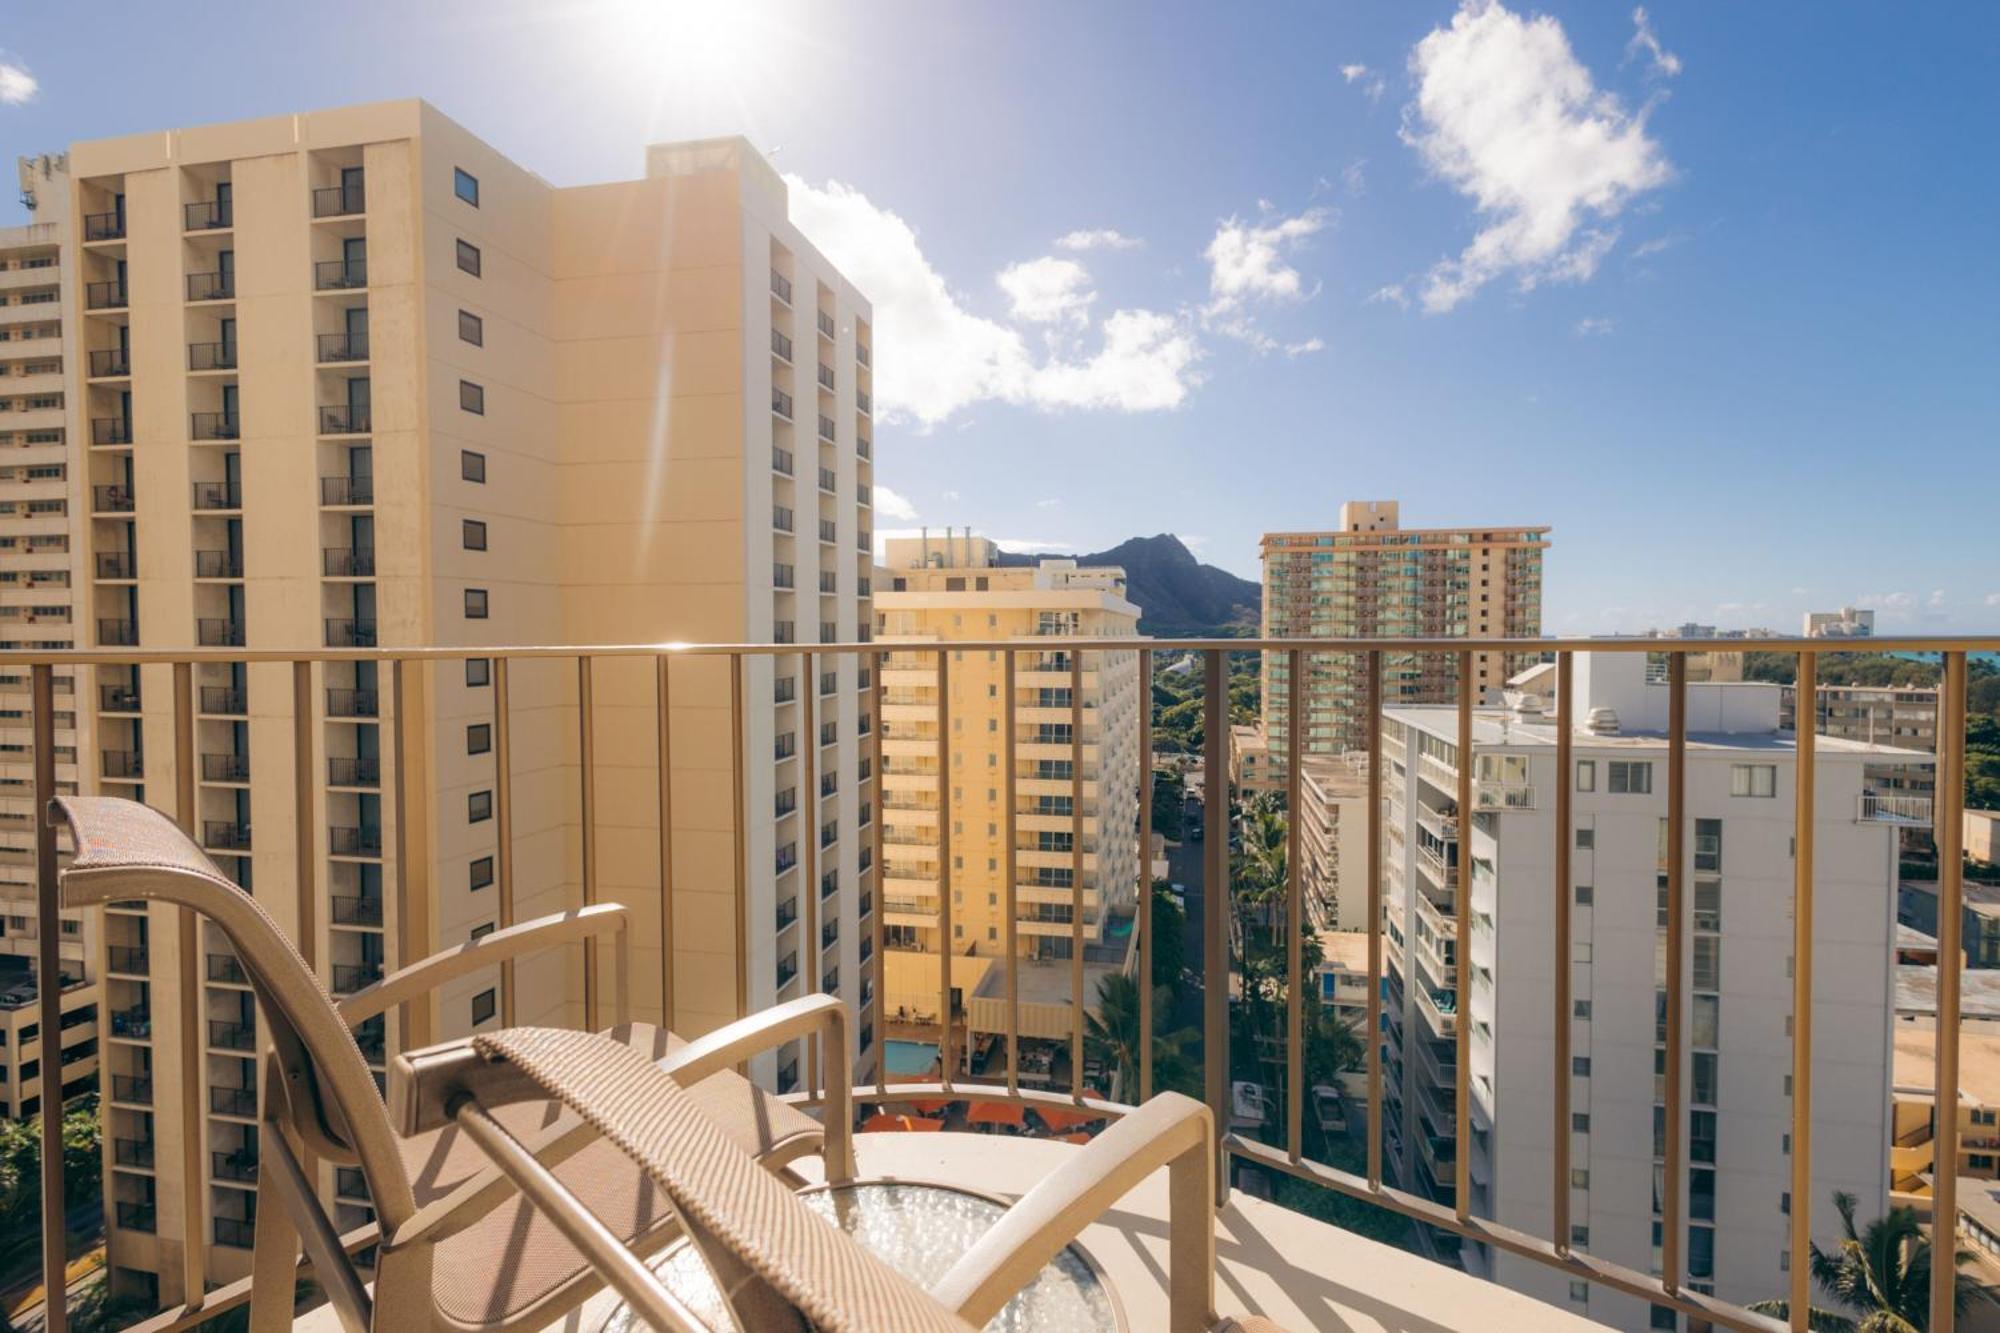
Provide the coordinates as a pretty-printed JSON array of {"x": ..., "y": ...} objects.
[
  {"x": 353, "y": 378},
  {"x": 936, "y": 589}
]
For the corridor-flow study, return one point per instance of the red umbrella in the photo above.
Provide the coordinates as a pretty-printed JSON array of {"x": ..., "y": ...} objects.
[
  {"x": 1058, "y": 1119},
  {"x": 996, "y": 1113}
]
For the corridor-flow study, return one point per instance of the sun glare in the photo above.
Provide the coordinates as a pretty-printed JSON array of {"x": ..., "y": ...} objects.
[{"x": 698, "y": 60}]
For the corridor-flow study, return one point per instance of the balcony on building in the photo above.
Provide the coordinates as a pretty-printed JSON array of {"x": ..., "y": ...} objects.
[{"x": 1270, "y": 1256}]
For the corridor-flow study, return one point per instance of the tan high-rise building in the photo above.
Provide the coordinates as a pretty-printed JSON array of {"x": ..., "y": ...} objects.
[
  {"x": 1372, "y": 578},
  {"x": 357, "y": 380},
  {"x": 39, "y": 568},
  {"x": 937, "y": 589}
]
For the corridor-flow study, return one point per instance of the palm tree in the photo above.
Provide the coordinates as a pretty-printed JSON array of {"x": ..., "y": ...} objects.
[
  {"x": 1880, "y": 1275},
  {"x": 1111, "y": 1035}
]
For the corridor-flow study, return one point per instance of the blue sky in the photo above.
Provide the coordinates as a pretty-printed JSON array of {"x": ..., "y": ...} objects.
[{"x": 1711, "y": 291}]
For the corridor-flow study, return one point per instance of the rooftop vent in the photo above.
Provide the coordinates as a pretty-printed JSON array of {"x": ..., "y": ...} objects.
[
  {"x": 1602, "y": 722},
  {"x": 1525, "y": 705}
]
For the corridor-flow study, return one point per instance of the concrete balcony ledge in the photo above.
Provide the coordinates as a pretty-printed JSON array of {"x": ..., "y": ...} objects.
[{"x": 1272, "y": 1261}]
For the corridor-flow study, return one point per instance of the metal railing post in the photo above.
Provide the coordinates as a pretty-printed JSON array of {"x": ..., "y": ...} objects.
[
  {"x": 1564, "y": 1016},
  {"x": 1805, "y": 778},
  {"x": 1949, "y": 812},
  {"x": 1215, "y": 906},
  {"x": 48, "y": 1000},
  {"x": 1145, "y": 872}
]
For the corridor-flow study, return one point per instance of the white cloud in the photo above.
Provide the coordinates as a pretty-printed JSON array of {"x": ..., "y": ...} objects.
[
  {"x": 1594, "y": 326},
  {"x": 1306, "y": 347},
  {"x": 1660, "y": 60},
  {"x": 1890, "y": 601},
  {"x": 1355, "y": 177},
  {"x": 949, "y": 497},
  {"x": 1029, "y": 546},
  {"x": 16, "y": 84},
  {"x": 1101, "y": 238},
  {"x": 1146, "y": 364},
  {"x": 1393, "y": 294},
  {"x": 1246, "y": 261},
  {"x": 1048, "y": 290},
  {"x": 1371, "y": 83},
  {"x": 1507, "y": 116},
  {"x": 936, "y": 358},
  {"x": 1049, "y": 503},
  {"x": 892, "y": 505},
  {"x": 1936, "y": 599},
  {"x": 1647, "y": 249},
  {"x": 1993, "y": 599}
]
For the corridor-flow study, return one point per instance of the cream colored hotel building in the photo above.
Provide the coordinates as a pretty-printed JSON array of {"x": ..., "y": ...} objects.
[
  {"x": 933, "y": 590},
  {"x": 352, "y": 378}
]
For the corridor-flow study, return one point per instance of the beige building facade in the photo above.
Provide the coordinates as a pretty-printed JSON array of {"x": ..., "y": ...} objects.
[
  {"x": 355, "y": 379},
  {"x": 930, "y": 592},
  {"x": 1372, "y": 578},
  {"x": 39, "y": 573}
]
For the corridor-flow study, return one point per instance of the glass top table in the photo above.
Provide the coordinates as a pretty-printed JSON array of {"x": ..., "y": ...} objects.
[{"x": 920, "y": 1231}]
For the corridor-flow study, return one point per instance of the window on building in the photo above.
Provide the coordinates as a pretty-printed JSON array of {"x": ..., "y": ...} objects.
[
  {"x": 473, "y": 533},
  {"x": 479, "y": 738},
  {"x": 471, "y": 328},
  {"x": 475, "y": 603},
  {"x": 478, "y": 672},
  {"x": 472, "y": 397},
  {"x": 1579, "y": 1121},
  {"x": 1586, "y": 839},
  {"x": 1629, "y": 777},
  {"x": 481, "y": 876},
  {"x": 472, "y": 466},
  {"x": 1585, "y": 895},
  {"x": 479, "y": 807},
  {"x": 465, "y": 185},
  {"x": 484, "y": 1006},
  {"x": 481, "y": 931},
  {"x": 1582, "y": 1009},
  {"x": 1586, "y": 775},
  {"x": 1753, "y": 779},
  {"x": 1580, "y": 1065},
  {"x": 1579, "y": 1291},
  {"x": 1708, "y": 844},
  {"x": 1579, "y": 1178},
  {"x": 1579, "y": 1236},
  {"x": 468, "y": 258}
]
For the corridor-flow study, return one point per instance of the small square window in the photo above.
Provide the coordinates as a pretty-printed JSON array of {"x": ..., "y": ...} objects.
[
  {"x": 484, "y": 1006},
  {"x": 481, "y": 931},
  {"x": 1579, "y": 1235},
  {"x": 479, "y": 738},
  {"x": 468, "y": 258},
  {"x": 482, "y": 873},
  {"x": 472, "y": 397},
  {"x": 1579, "y": 1121},
  {"x": 1580, "y": 1066},
  {"x": 1585, "y": 895},
  {"x": 465, "y": 185},
  {"x": 475, "y": 603},
  {"x": 474, "y": 535},
  {"x": 472, "y": 466},
  {"x": 1586, "y": 839},
  {"x": 471, "y": 328},
  {"x": 479, "y": 807},
  {"x": 1579, "y": 1291},
  {"x": 1579, "y": 1178},
  {"x": 1582, "y": 1009},
  {"x": 478, "y": 672}
]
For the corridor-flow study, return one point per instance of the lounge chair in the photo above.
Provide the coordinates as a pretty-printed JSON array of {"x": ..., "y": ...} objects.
[
  {"x": 776, "y": 1263},
  {"x": 459, "y": 1248}
]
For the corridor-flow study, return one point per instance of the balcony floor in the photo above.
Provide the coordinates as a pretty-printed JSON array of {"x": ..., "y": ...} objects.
[{"x": 1270, "y": 1260}]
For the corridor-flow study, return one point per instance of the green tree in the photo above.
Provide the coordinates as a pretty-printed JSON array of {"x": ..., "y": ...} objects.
[
  {"x": 21, "y": 1175},
  {"x": 1879, "y": 1276},
  {"x": 1169, "y": 937},
  {"x": 1111, "y": 1036}
]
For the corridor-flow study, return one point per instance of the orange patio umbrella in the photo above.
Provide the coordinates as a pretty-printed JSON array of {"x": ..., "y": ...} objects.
[
  {"x": 1076, "y": 1138},
  {"x": 997, "y": 1113},
  {"x": 1059, "y": 1119},
  {"x": 884, "y": 1124},
  {"x": 922, "y": 1124}
]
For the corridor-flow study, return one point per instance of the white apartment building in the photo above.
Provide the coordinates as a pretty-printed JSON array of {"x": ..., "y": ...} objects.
[
  {"x": 1849, "y": 622},
  {"x": 1739, "y": 803}
]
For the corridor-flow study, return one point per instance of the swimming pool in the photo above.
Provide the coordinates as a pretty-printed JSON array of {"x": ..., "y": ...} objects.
[{"x": 910, "y": 1057}]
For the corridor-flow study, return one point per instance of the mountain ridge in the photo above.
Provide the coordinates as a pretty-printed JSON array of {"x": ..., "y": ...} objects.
[{"x": 1177, "y": 595}]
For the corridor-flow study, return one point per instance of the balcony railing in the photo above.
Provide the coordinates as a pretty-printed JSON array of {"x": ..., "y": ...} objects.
[
  {"x": 226, "y": 969},
  {"x": 781, "y": 403},
  {"x": 110, "y": 362},
  {"x": 826, "y": 328},
  {"x": 346, "y": 491},
  {"x": 103, "y": 226},
  {"x": 781, "y": 287},
  {"x": 334, "y": 275},
  {"x": 217, "y": 426},
  {"x": 350, "y": 633},
  {"x": 110, "y": 430},
  {"x": 341, "y": 772},
  {"x": 352, "y": 703},
  {"x": 116, "y": 565},
  {"x": 1910, "y": 811},
  {"x": 111, "y": 500},
  {"x": 212, "y": 356},
  {"x": 223, "y": 701},
  {"x": 340, "y": 562},
  {"x": 344, "y": 421},
  {"x": 1229, "y": 1047},
  {"x": 105, "y": 296},
  {"x": 117, "y": 632},
  {"x": 339, "y": 201},
  {"x": 217, "y": 495},
  {"x": 208, "y": 215},
  {"x": 219, "y": 286},
  {"x": 225, "y": 768},
  {"x": 215, "y": 632},
  {"x": 337, "y": 347},
  {"x": 218, "y": 564}
]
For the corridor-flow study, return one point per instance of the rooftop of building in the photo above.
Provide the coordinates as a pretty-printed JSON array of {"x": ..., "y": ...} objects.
[
  {"x": 1916, "y": 991},
  {"x": 1979, "y": 897},
  {"x": 1345, "y": 949},
  {"x": 1502, "y": 729},
  {"x": 1978, "y": 1063}
]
